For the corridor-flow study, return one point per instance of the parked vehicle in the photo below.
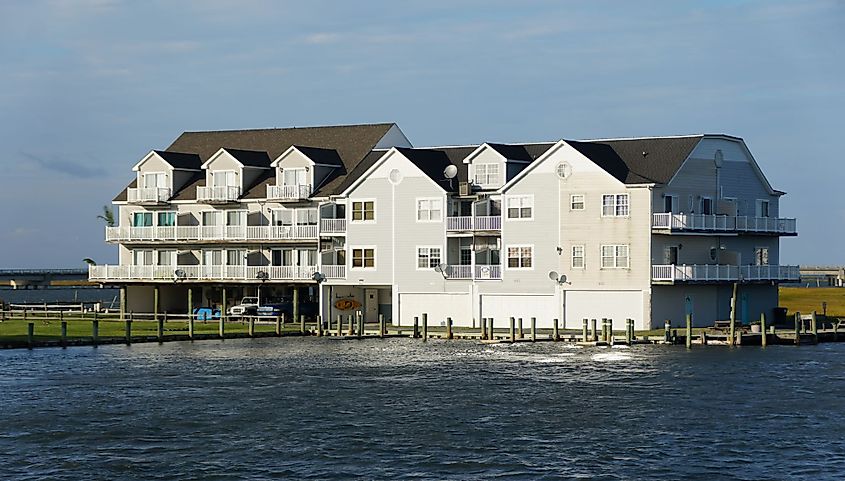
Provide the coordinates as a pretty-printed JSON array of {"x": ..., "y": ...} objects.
[
  {"x": 284, "y": 306},
  {"x": 247, "y": 307},
  {"x": 206, "y": 313}
]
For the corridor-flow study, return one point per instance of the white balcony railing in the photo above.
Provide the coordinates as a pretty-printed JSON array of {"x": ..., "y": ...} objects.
[
  {"x": 148, "y": 195},
  {"x": 479, "y": 222},
  {"x": 332, "y": 226},
  {"x": 723, "y": 223},
  {"x": 481, "y": 272},
  {"x": 334, "y": 271},
  {"x": 722, "y": 272},
  {"x": 493, "y": 271},
  {"x": 210, "y": 233},
  {"x": 288, "y": 192},
  {"x": 218, "y": 194},
  {"x": 459, "y": 272},
  {"x": 198, "y": 273}
]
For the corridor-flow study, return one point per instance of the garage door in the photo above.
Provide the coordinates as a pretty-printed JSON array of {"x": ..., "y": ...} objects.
[
  {"x": 501, "y": 307},
  {"x": 616, "y": 305},
  {"x": 438, "y": 307}
]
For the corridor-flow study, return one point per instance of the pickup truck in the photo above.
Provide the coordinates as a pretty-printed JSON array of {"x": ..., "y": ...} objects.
[
  {"x": 247, "y": 307},
  {"x": 279, "y": 306}
]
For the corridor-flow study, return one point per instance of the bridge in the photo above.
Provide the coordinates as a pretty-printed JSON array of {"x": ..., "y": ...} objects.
[
  {"x": 823, "y": 276},
  {"x": 35, "y": 278}
]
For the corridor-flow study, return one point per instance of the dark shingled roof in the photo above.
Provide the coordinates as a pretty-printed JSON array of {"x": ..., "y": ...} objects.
[
  {"x": 512, "y": 151},
  {"x": 352, "y": 143},
  {"x": 180, "y": 160},
  {"x": 321, "y": 156},
  {"x": 250, "y": 158},
  {"x": 637, "y": 161}
]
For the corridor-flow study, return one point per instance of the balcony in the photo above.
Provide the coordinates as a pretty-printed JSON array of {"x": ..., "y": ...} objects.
[
  {"x": 333, "y": 271},
  {"x": 332, "y": 226},
  {"x": 148, "y": 195},
  {"x": 211, "y": 233},
  {"x": 712, "y": 273},
  {"x": 668, "y": 223},
  {"x": 482, "y": 272},
  {"x": 218, "y": 195},
  {"x": 474, "y": 223},
  {"x": 106, "y": 273},
  {"x": 288, "y": 192}
]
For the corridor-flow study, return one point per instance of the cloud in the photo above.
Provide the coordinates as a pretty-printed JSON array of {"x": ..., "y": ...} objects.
[
  {"x": 68, "y": 167},
  {"x": 322, "y": 38}
]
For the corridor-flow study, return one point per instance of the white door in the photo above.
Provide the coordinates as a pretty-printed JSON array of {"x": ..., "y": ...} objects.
[
  {"x": 501, "y": 307},
  {"x": 370, "y": 305},
  {"x": 439, "y": 306},
  {"x": 615, "y": 305}
]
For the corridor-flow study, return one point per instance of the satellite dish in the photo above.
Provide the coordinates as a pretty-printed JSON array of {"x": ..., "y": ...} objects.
[
  {"x": 553, "y": 275},
  {"x": 179, "y": 274},
  {"x": 262, "y": 275},
  {"x": 319, "y": 277},
  {"x": 718, "y": 158},
  {"x": 450, "y": 171},
  {"x": 438, "y": 268},
  {"x": 562, "y": 279}
]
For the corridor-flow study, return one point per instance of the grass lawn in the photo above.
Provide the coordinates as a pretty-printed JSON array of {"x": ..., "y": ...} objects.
[
  {"x": 807, "y": 300},
  {"x": 15, "y": 330}
]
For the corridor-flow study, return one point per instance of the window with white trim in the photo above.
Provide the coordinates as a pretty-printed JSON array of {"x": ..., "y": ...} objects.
[
  {"x": 294, "y": 177},
  {"x": 615, "y": 205},
  {"x": 429, "y": 210},
  {"x": 428, "y": 257},
  {"x": 155, "y": 180},
  {"x": 520, "y": 257},
  {"x": 706, "y": 205},
  {"x": 142, "y": 219},
  {"x": 520, "y": 206},
  {"x": 578, "y": 257},
  {"x": 166, "y": 219},
  {"x": 142, "y": 257},
  {"x": 614, "y": 256},
  {"x": 487, "y": 175},
  {"x": 762, "y": 208},
  {"x": 364, "y": 258},
  {"x": 166, "y": 257},
  {"x": 363, "y": 211},
  {"x": 576, "y": 202},
  {"x": 224, "y": 178}
]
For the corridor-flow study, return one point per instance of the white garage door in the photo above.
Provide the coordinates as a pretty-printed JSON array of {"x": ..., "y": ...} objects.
[
  {"x": 438, "y": 307},
  {"x": 501, "y": 307},
  {"x": 616, "y": 305}
]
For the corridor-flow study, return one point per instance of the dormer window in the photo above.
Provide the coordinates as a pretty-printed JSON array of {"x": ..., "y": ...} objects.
[
  {"x": 224, "y": 178},
  {"x": 153, "y": 180},
  {"x": 294, "y": 177},
  {"x": 487, "y": 175}
]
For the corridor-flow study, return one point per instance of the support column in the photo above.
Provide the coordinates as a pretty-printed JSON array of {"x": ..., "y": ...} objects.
[
  {"x": 122, "y": 303},
  {"x": 295, "y": 302},
  {"x": 155, "y": 302},
  {"x": 190, "y": 303}
]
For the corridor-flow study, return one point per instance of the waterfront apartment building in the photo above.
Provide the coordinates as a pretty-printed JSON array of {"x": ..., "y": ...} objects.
[{"x": 355, "y": 218}]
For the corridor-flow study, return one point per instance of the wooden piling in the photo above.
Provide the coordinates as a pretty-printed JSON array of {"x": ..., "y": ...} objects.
[
  {"x": 122, "y": 303},
  {"x": 221, "y": 326},
  {"x": 610, "y": 339},
  {"x": 425, "y": 327},
  {"x": 667, "y": 327},
  {"x": 190, "y": 310},
  {"x": 521, "y": 332},
  {"x": 513, "y": 329},
  {"x": 191, "y": 326},
  {"x": 533, "y": 329},
  {"x": 556, "y": 332},
  {"x": 128, "y": 329},
  {"x": 703, "y": 336},
  {"x": 483, "y": 328},
  {"x": 155, "y": 308},
  {"x": 416, "y": 332},
  {"x": 814, "y": 326},
  {"x": 689, "y": 332},
  {"x": 64, "y": 334},
  {"x": 295, "y": 306},
  {"x": 584, "y": 323},
  {"x": 604, "y": 329},
  {"x": 593, "y": 333},
  {"x": 95, "y": 330},
  {"x": 448, "y": 328},
  {"x": 279, "y": 326},
  {"x": 222, "y": 312},
  {"x": 360, "y": 324},
  {"x": 763, "y": 334},
  {"x": 798, "y": 323},
  {"x": 319, "y": 326},
  {"x": 732, "y": 335},
  {"x": 628, "y": 332},
  {"x": 490, "y": 335},
  {"x": 351, "y": 330},
  {"x": 30, "y": 334},
  {"x": 381, "y": 326},
  {"x": 339, "y": 325},
  {"x": 251, "y": 326},
  {"x": 160, "y": 329}
]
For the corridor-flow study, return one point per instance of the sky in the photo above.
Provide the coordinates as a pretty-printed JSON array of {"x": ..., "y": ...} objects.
[{"x": 88, "y": 87}]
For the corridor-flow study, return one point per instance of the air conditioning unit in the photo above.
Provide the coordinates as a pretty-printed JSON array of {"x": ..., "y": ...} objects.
[{"x": 465, "y": 188}]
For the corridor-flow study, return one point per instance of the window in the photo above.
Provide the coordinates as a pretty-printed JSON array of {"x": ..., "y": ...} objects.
[
  {"x": 576, "y": 202},
  {"x": 614, "y": 205},
  {"x": 578, "y": 257},
  {"x": 167, "y": 258},
  {"x": 487, "y": 174},
  {"x": 761, "y": 256},
  {"x": 466, "y": 255},
  {"x": 142, "y": 219},
  {"x": 520, "y": 257},
  {"x": 670, "y": 204},
  {"x": 520, "y": 207},
  {"x": 142, "y": 257},
  {"x": 211, "y": 217},
  {"x": 762, "y": 208},
  {"x": 428, "y": 257},
  {"x": 364, "y": 210},
  {"x": 236, "y": 217},
  {"x": 224, "y": 178},
  {"x": 294, "y": 177},
  {"x": 429, "y": 210},
  {"x": 155, "y": 180},
  {"x": 166, "y": 219},
  {"x": 212, "y": 257},
  {"x": 614, "y": 257},
  {"x": 670, "y": 255},
  {"x": 363, "y": 258},
  {"x": 235, "y": 257}
]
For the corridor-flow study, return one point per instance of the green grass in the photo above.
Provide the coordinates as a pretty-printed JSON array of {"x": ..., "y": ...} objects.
[
  {"x": 807, "y": 300},
  {"x": 16, "y": 330}
]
